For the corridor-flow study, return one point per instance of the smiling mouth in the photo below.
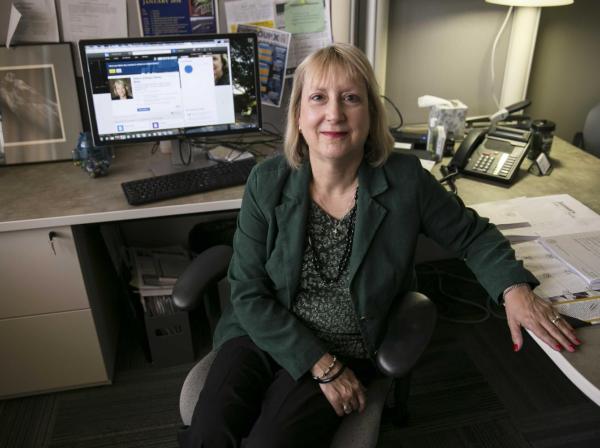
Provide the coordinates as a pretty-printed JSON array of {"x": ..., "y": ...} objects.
[{"x": 333, "y": 134}]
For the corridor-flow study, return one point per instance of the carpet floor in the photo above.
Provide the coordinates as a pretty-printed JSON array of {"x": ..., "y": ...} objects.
[{"x": 468, "y": 390}]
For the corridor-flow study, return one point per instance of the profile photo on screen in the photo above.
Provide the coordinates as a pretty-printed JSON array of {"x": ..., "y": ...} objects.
[
  {"x": 220, "y": 69},
  {"x": 120, "y": 89}
]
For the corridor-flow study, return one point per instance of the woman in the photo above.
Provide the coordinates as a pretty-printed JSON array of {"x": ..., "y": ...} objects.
[
  {"x": 220, "y": 70},
  {"x": 121, "y": 90},
  {"x": 324, "y": 246}
]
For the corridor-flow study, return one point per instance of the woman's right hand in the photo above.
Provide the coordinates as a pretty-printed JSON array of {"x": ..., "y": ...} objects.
[{"x": 346, "y": 393}]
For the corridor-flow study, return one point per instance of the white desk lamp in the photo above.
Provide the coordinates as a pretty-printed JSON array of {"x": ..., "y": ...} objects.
[{"x": 520, "y": 47}]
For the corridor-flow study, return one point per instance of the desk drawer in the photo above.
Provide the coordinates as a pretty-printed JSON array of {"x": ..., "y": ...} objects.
[
  {"x": 50, "y": 352},
  {"x": 34, "y": 279}
]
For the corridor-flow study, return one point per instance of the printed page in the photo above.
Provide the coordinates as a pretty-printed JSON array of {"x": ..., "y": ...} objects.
[
  {"x": 557, "y": 215},
  {"x": 579, "y": 251},
  {"x": 38, "y": 22},
  {"x": 89, "y": 19}
]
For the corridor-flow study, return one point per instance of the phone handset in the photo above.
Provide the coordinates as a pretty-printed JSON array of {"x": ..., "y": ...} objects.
[{"x": 473, "y": 139}]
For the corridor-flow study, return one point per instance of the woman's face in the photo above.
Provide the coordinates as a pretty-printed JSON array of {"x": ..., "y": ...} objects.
[
  {"x": 334, "y": 117},
  {"x": 217, "y": 66},
  {"x": 120, "y": 90}
]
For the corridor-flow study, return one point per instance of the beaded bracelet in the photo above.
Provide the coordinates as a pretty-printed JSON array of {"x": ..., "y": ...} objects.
[
  {"x": 327, "y": 370},
  {"x": 332, "y": 377}
]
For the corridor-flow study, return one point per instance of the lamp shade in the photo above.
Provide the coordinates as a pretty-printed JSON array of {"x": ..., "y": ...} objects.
[{"x": 531, "y": 3}]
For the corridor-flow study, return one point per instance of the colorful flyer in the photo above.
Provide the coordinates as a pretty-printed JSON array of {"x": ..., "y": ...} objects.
[
  {"x": 171, "y": 17},
  {"x": 273, "y": 49}
]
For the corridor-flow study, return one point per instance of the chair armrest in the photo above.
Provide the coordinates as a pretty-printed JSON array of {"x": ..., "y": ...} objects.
[
  {"x": 410, "y": 326},
  {"x": 207, "y": 268}
]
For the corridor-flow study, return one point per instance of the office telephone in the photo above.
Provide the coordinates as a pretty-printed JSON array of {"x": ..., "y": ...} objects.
[{"x": 494, "y": 155}]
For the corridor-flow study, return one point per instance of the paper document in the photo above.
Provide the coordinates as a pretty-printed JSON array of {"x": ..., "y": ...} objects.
[
  {"x": 304, "y": 16},
  {"x": 13, "y": 22},
  {"x": 249, "y": 12},
  {"x": 304, "y": 43},
  {"x": 586, "y": 309},
  {"x": 556, "y": 279},
  {"x": 509, "y": 221},
  {"x": 158, "y": 267},
  {"x": 501, "y": 213},
  {"x": 427, "y": 164},
  {"x": 579, "y": 251},
  {"x": 38, "y": 22},
  {"x": 568, "y": 293},
  {"x": 524, "y": 219},
  {"x": 89, "y": 19},
  {"x": 557, "y": 215}
]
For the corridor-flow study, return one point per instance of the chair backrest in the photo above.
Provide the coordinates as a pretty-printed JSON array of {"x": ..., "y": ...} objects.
[{"x": 591, "y": 131}]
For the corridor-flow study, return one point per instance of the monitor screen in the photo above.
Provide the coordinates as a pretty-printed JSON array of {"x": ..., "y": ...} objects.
[{"x": 155, "y": 88}]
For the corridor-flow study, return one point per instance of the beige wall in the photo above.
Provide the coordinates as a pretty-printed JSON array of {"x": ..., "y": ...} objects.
[
  {"x": 443, "y": 48},
  {"x": 565, "y": 77}
]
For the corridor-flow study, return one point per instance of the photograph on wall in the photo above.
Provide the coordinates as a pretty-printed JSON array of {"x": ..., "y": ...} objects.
[
  {"x": 30, "y": 104},
  {"x": 41, "y": 119}
]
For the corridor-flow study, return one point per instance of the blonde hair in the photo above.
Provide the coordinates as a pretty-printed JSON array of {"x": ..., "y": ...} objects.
[
  {"x": 123, "y": 84},
  {"x": 322, "y": 64}
]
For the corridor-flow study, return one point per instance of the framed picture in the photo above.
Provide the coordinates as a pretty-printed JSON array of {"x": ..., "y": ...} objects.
[{"x": 40, "y": 116}]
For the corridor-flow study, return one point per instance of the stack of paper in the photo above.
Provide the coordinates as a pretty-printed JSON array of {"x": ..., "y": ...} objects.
[
  {"x": 586, "y": 309},
  {"x": 158, "y": 267},
  {"x": 579, "y": 251},
  {"x": 559, "y": 242}
]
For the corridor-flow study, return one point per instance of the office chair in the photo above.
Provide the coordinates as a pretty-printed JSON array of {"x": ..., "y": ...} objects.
[
  {"x": 589, "y": 138},
  {"x": 410, "y": 327}
]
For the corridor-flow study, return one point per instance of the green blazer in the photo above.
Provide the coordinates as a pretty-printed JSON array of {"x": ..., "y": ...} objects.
[{"x": 396, "y": 202}]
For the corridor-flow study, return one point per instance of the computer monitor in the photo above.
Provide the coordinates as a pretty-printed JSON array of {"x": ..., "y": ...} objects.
[{"x": 157, "y": 88}]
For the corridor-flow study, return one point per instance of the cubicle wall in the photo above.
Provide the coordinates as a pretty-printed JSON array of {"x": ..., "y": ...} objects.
[{"x": 443, "y": 48}]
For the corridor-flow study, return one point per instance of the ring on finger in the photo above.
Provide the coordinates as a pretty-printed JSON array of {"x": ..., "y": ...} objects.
[
  {"x": 555, "y": 319},
  {"x": 347, "y": 409}
]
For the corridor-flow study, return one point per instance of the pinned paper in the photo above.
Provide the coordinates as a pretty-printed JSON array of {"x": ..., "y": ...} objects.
[
  {"x": 15, "y": 17},
  {"x": 38, "y": 22},
  {"x": 304, "y": 17},
  {"x": 251, "y": 12}
]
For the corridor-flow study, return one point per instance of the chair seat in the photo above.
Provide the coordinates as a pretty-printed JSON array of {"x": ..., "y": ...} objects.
[
  {"x": 192, "y": 386},
  {"x": 357, "y": 430}
]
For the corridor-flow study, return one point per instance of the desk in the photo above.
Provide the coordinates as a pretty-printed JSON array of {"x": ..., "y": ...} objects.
[
  {"x": 578, "y": 174},
  {"x": 72, "y": 316},
  {"x": 58, "y": 309}
]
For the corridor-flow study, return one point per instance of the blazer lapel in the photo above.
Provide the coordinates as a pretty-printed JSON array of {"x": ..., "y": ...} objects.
[
  {"x": 291, "y": 217},
  {"x": 370, "y": 213}
]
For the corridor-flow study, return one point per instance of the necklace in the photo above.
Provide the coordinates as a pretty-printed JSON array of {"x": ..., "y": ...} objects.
[{"x": 328, "y": 281}]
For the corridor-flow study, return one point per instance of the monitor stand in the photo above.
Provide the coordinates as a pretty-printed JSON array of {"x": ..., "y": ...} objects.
[{"x": 178, "y": 155}]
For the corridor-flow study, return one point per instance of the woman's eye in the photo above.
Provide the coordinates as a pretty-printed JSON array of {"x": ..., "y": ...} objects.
[
  {"x": 351, "y": 98},
  {"x": 316, "y": 97}
]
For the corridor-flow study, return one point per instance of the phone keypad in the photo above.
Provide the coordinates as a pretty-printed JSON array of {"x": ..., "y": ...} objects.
[{"x": 484, "y": 162}]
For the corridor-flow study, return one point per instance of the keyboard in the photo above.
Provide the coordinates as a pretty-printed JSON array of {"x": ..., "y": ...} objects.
[{"x": 183, "y": 183}]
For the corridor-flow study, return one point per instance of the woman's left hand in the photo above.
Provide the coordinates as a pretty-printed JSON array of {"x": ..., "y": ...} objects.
[{"x": 525, "y": 309}]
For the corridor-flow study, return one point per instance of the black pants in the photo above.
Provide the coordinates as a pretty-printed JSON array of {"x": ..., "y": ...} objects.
[{"x": 249, "y": 400}]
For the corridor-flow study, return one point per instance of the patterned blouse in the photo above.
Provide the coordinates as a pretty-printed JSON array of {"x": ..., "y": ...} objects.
[{"x": 325, "y": 308}]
